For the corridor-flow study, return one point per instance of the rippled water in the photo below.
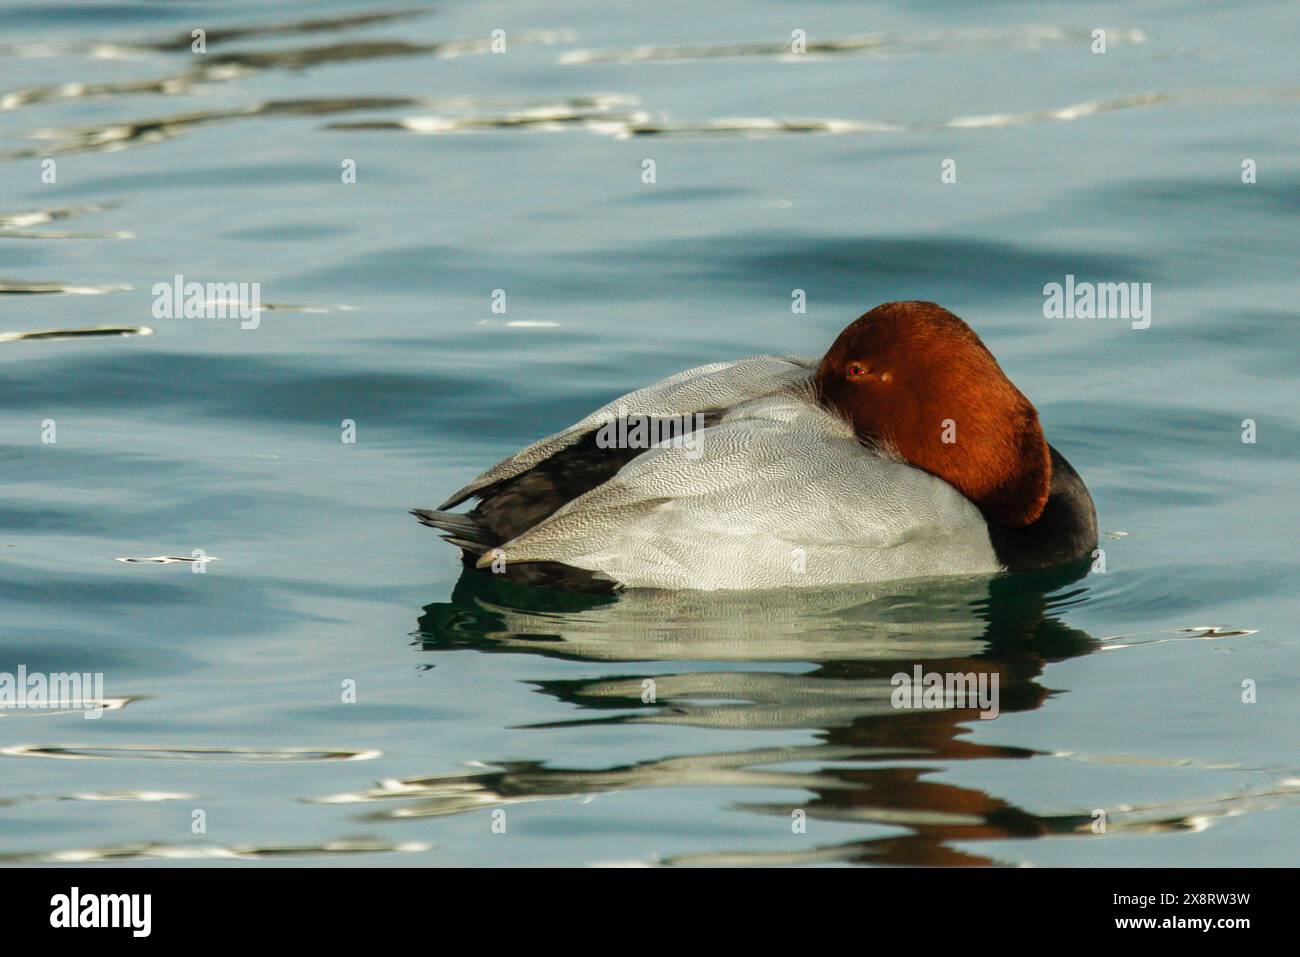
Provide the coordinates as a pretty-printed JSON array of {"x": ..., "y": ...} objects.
[{"x": 522, "y": 171}]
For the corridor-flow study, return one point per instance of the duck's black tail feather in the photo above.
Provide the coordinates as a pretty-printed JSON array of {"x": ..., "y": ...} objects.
[
  {"x": 461, "y": 530},
  {"x": 468, "y": 533}
]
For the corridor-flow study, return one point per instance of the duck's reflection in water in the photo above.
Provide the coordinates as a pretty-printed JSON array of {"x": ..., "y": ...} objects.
[
  {"x": 824, "y": 662},
  {"x": 871, "y": 761}
]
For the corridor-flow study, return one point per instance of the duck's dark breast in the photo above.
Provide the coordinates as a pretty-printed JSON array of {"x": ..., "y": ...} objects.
[{"x": 1065, "y": 532}]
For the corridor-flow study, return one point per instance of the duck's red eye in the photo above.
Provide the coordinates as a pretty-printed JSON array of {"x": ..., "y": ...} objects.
[{"x": 856, "y": 370}]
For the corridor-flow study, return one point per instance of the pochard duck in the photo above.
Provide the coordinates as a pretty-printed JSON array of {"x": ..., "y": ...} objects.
[{"x": 904, "y": 452}]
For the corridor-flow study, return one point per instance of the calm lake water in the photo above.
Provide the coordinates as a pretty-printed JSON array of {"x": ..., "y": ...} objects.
[{"x": 770, "y": 736}]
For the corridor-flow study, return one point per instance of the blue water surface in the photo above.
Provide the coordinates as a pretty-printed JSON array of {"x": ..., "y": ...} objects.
[{"x": 493, "y": 726}]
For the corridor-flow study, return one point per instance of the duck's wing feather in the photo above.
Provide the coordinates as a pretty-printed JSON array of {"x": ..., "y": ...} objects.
[
  {"x": 713, "y": 387},
  {"x": 509, "y": 507},
  {"x": 778, "y": 493}
]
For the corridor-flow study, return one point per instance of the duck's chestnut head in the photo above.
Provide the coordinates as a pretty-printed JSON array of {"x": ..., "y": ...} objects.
[{"x": 914, "y": 378}]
